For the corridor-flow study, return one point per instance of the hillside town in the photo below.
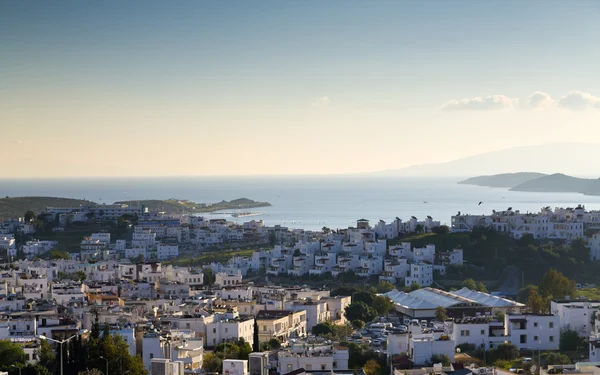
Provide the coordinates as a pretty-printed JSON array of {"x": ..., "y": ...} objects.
[{"x": 173, "y": 316}]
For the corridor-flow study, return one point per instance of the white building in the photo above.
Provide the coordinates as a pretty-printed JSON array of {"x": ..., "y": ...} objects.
[
  {"x": 164, "y": 252},
  {"x": 576, "y": 315},
  {"x": 235, "y": 367},
  {"x": 420, "y": 273}
]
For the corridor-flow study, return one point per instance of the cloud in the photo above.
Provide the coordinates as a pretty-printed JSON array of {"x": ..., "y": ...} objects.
[
  {"x": 574, "y": 100},
  {"x": 480, "y": 103},
  {"x": 577, "y": 100},
  {"x": 538, "y": 99},
  {"x": 321, "y": 102}
]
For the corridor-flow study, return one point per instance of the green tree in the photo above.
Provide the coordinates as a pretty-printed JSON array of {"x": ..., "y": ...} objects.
[
  {"x": 414, "y": 286},
  {"x": 344, "y": 291},
  {"x": 45, "y": 354},
  {"x": 481, "y": 287},
  {"x": 274, "y": 343},
  {"x": 212, "y": 363},
  {"x": 372, "y": 367},
  {"x": 57, "y": 254},
  {"x": 556, "y": 286},
  {"x": 469, "y": 284},
  {"x": 440, "y": 314},
  {"x": 358, "y": 324},
  {"x": 440, "y": 358},
  {"x": 80, "y": 276},
  {"x": 382, "y": 304},
  {"x": 29, "y": 216},
  {"x": 385, "y": 286},
  {"x": 209, "y": 276},
  {"x": 558, "y": 359},
  {"x": 11, "y": 353},
  {"x": 93, "y": 371},
  {"x": 536, "y": 303},
  {"x": 442, "y": 230},
  {"x": 506, "y": 352},
  {"x": 361, "y": 311},
  {"x": 362, "y": 296},
  {"x": 322, "y": 329},
  {"x": 325, "y": 230},
  {"x": 569, "y": 340}
]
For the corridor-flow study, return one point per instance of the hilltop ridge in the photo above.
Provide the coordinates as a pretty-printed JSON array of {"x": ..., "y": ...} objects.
[{"x": 538, "y": 182}]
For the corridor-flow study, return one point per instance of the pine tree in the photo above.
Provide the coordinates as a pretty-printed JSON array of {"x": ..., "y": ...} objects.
[{"x": 256, "y": 344}]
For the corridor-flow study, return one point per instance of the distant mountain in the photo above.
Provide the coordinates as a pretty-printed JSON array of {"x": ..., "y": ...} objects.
[
  {"x": 505, "y": 180},
  {"x": 561, "y": 183},
  {"x": 538, "y": 182},
  {"x": 571, "y": 158},
  {"x": 16, "y": 206}
]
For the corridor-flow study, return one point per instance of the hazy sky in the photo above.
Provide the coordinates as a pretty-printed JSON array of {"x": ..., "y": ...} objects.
[{"x": 294, "y": 87}]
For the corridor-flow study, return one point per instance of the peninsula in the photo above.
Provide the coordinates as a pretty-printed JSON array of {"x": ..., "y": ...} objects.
[
  {"x": 186, "y": 206},
  {"x": 17, "y": 206},
  {"x": 538, "y": 182}
]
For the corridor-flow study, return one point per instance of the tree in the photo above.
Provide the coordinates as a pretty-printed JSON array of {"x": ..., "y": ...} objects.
[
  {"x": 211, "y": 362},
  {"x": 274, "y": 343},
  {"x": 358, "y": 324},
  {"x": 93, "y": 371},
  {"x": 255, "y": 338},
  {"x": 57, "y": 254},
  {"x": 442, "y": 229},
  {"x": 11, "y": 353},
  {"x": 80, "y": 276},
  {"x": 440, "y": 314},
  {"x": 506, "y": 351},
  {"x": 558, "y": 359},
  {"x": 382, "y": 304},
  {"x": 322, "y": 329},
  {"x": 569, "y": 340},
  {"x": 440, "y": 358},
  {"x": 344, "y": 291},
  {"x": 361, "y": 311},
  {"x": 419, "y": 228},
  {"x": 29, "y": 216},
  {"x": 500, "y": 316},
  {"x": 326, "y": 230},
  {"x": 535, "y": 302},
  {"x": 385, "y": 286},
  {"x": 365, "y": 297},
  {"x": 556, "y": 286},
  {"x": 469, "y": 284},
  {"x": 45, "y": 354},
  {"x": 209, "y": 276},
  {"x": 414, "y": 286},
  {"x": 372, "y": 367},
  {"x": 481, "y": 287}
]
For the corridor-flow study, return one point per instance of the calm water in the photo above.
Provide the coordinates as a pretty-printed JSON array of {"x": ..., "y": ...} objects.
[{"x": 308, "y": 202}]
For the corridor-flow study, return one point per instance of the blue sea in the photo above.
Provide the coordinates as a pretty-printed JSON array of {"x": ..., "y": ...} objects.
[{"x": 308, "y": 202}]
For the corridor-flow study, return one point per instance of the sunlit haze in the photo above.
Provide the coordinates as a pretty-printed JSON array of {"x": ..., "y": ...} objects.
[{"x": 156, "y": 88}]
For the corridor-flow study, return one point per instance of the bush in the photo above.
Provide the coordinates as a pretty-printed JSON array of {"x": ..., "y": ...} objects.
[
  {"x": 506, "y": 352},
  {"x": 440, "y": 358}
]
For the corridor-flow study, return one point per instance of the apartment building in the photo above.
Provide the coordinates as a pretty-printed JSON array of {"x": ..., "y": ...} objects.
[{"x": 282, "y": 324}]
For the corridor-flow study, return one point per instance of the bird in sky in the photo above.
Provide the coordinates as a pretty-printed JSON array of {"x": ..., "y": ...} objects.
[{"x": 480, "y": 203}]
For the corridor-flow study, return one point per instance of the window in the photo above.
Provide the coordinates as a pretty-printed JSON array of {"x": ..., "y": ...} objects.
[
  {"x": 214, "y": 330},
  {"x": 483, "y": 331},
  {"x": 535, "y": 338},
  {"x": 322, "y": 367},
  {"x": 535, "y": 324},
  {"x": 523, "y": 339},
  {"x": 151, "y": 355},
  {"x": 226, "y": 331},
  {"x": 551, "y": 325},
  {"x": 551, "y": 338}
]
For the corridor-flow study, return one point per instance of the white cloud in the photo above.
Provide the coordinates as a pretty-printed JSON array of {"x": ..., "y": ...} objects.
[
  {"x": 577, "y": 100},
  {"x": 574, "y": 100},
  {"x": 321, "y": 102},
  {"x": 538, "y": 99},
  {"x": 480, "y": 103}
]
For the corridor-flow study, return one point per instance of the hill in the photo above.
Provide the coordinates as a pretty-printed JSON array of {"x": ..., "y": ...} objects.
[
  {"x": 185, "y": 206},
  {"x": 560, "y": 183},
  {"x": 16, "y": 207},
  {"x": 505, "y": 180},
  {"x": 572, "y": 158}
]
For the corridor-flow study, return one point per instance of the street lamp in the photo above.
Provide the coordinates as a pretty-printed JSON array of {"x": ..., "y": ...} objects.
[
  {"x": 43, "y": 337},
  {"x": 106, "y": 359}
]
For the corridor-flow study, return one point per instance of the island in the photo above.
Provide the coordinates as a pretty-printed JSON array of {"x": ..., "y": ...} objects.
[
  {"x": 538, "y": 182},
  {"x": 504, "y": 180}
]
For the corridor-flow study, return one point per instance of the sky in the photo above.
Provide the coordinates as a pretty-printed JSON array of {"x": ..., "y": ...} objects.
[{"x": 156, "y": 88}]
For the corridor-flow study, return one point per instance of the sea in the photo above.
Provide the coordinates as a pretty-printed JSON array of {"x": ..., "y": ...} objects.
[{"x": 308, "y": 202}]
